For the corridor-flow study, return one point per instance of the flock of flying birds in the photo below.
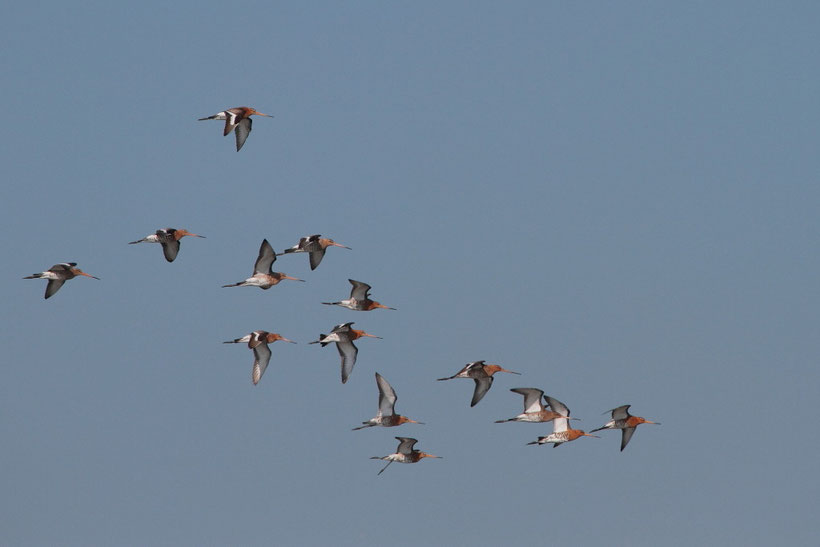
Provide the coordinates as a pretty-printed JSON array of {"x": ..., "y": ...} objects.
[{"x": 538, "y": 408}]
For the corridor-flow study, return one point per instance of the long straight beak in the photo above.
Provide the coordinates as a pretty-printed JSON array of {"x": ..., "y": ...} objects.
[
  {"x": 588, "y": 435},
  {"x": 340, "y": 245},
  {"x": 511, "y": 372},
  {"x": 89, "y": 275},
  {"x": 293, "y": 278},
  {"x": 371, "y": 335}
]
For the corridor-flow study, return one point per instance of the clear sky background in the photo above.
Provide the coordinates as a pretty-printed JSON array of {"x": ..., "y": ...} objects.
[{"x": 618, "y": 200}]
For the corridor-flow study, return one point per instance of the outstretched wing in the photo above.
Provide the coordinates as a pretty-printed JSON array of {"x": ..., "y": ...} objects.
[
  {"x": 406, "y": 445},
  {"x": 170, "y": 248},
  {"x": 316, "y": 258},
  {"x": 243, "y": 129},
  {"x": 53, "y": 286},
  {"x": 265, "y": 260},
  {"x": 261, "y": 354},
  {"x": 620, "y": 413},
  {"x": 557, "y": 406},
  {"x": 387, "y": 396},
  {"x": 532, "y": 398},
  {"x": 482, "y": 386},
  {"x": 348, "y": 352},
  {"x": 360, "y": 290},
  {"x": 626, "y": 434}
]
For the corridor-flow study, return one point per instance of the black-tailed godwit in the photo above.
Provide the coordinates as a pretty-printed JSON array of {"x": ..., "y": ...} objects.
[
  {"x": 169, "y": 239},
  {"x": 483, "y": 376},
  {"x": 386, "y": 417},
  {"x": 238, "y": 119},
  {"x": 263, "y": 275},
  {"x": 561, "y": 430},
  {"x": 343, "y": 335},
  {"x": 405, "y": 453},
  {"x": 57, "y": 275},
  {"x": 316, "y": 245},
  {"x": 359, "y": 299},
  {"x": 258, "y": 341},
  {"x": 626, "y": 422},
  {"x": 534, "y": 409}
]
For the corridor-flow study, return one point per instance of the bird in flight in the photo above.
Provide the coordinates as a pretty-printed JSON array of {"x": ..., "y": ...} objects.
[
  {"x": 482, "y": 374},
  {"x": 359, "y": 299},
  {"x": 258, "y": 341},
  {"x": 405, "y": 453},
  {"x": 263, "y": 275},
  {"x": 626, "y": 422},
  {"x": 59, "y": 274},
  {"x": 238, "y": 120},
  {"x": 169, "y": 239},
  {"x": 316, "y": 246}
]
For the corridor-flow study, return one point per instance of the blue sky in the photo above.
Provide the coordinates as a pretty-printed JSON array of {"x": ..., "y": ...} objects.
[{"x": 618, "y": 201}]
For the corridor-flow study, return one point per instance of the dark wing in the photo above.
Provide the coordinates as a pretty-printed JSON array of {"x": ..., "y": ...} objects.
[
  {"x": 316, "y": 258},
  {"x": 53, "y": 286},
  {"x": 482, "y": 386},
  {"x": 310, "y": 243},
  {"x": 243, "y": 129},
  {"x": 360, "y": 290},
  {"x": 406, "y": 445},
  {"x": 387, "y": 396},
  {"x": 626, "y": 434},
  {"x": 261, "y": 355},
  {"x": 620, "y": 413},
  {"x": 256, "y": 337},
  {"x": 343, "y": 328},
  {"x": 265, "y": 260},
  {"x": 231, "y": 115},
  {"x": 476, "y": 368},
  {"x": 170, "y": 248},
  {"x": 62, "y": 267},
  {"x": 348, "y": 352}
]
